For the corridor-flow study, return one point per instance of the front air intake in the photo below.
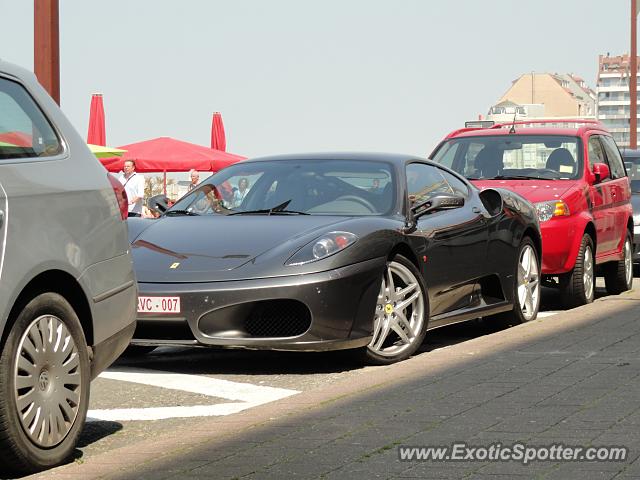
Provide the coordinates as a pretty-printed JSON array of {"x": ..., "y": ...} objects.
[{"x": 278, "y": 318}]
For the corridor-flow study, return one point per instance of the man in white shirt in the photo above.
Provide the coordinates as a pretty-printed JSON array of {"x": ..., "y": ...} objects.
[
  {"x": 195, "y": 179},
  {"x": 133, "y": 183}
]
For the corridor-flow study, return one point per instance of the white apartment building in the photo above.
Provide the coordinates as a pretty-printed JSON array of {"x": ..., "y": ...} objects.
[{"x": 612, "y": 88}]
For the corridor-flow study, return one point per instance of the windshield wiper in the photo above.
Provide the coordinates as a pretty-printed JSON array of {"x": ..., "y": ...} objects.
[
  {"x": 268, "y": 212},
  {"x": 181, "y": 212},
  {"x": 517, "y": 177},
  {"x": 277, "y": 210}
]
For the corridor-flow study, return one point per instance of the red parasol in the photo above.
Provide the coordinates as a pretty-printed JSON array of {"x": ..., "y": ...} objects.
[
  {"x": 167, "y": 154},
  {"x": 96, "y": 134},
  {"x": 218, "y": 140},
  {"x": 20, "y": 139}
]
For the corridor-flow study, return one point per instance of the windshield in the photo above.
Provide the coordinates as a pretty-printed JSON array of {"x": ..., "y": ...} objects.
[
  {"x": 293, "y": 187},
  {"x": 633, "y": 170},
  {"x": 549, "y": 157}
]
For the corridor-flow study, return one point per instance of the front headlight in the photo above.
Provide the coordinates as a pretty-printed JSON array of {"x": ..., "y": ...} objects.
[
  {"x": 550, "y": 209},
  {"x": 322, "y": 247}
]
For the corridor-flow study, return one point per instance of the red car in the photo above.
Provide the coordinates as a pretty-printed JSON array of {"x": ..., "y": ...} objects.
[{"x": 574, "y": 175}]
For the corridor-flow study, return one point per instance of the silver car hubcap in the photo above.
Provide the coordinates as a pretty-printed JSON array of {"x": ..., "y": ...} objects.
[
  {"x": 628, "y": 262},
  {"x": 47, "y": 381},
  {"x": 587, "y": 275},
  {"x": 400, "y": 312},
  {"x": 528, "y": 283}
]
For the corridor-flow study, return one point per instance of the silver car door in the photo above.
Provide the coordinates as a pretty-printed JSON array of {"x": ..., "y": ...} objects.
[{"x": 4, "y": 218}]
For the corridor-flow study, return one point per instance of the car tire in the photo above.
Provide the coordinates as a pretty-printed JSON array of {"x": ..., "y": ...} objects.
[
  {"x": 578, "y": 286},
  {"x": 401, "y": 316},
  {"x": 138, "y": 350},
  {"x": 526, "y": 287},
  {"x": 44, "y": 367},
  {"x": 618, "y": 276}
]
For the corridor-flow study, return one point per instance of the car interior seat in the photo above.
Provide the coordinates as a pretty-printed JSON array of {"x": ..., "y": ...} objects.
[
  {"x": 488, "y": 162},
  {"x": 559, "y": 158}
]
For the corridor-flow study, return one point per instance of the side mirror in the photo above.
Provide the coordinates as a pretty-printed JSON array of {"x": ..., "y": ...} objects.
[
  {"x": 441, "y": 201},
  {"x": 601, "y": 171},
  {"x": 158, "y": 202}
]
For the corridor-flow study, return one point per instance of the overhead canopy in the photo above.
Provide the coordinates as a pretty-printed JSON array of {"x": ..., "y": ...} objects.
[{"x": 167, "y": 154}]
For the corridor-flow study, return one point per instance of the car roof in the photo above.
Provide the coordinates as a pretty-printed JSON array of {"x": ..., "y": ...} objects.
[
  {"x": 630, "y": 153},
  {"x": 15, "y": 70},
  {"x": 570, "y": 132},
  {"x": 534, "y": 127},
  {"x": 395, "y": 158}
]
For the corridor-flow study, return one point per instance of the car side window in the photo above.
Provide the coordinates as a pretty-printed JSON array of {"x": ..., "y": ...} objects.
[
  {"x": 596, "y": 154},
  {"x": 450, "y": 149},
  {"x": 24, "y": 130},
  {"x": 613, "y": 155},
  {"x": 457, "y": 185},
  {"x": 425, "y": 181}
]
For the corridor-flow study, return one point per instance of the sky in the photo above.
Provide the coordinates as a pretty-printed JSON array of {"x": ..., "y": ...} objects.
[{"x": 306, "y": 76}]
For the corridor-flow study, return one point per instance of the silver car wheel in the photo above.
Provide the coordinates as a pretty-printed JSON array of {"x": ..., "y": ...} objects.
[
  {"x": 587, "y": 275},
  {"x": 48, "y": 381},
  {"x": 528, "y": 283},
  {"x": 628, "y": 262},
  {"x": 400, "y": 312}
]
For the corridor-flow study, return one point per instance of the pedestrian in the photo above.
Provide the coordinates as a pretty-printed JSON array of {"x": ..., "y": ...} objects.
[
  {"x": 133, "y": 184},
  {"x": 241, "y": 191},
  {"x": 195, "y": 178}
]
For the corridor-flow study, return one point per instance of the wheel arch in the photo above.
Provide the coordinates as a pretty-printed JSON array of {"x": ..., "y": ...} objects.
[
  {"x": 590, "y": 229},
  {"x": 535, "y": 237},
  {"x": 62, "y": 283},
  {"x": 406, "y": 251}
]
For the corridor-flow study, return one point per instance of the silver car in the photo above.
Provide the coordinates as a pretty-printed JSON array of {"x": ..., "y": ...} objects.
[{"x": 67, "y": 287}]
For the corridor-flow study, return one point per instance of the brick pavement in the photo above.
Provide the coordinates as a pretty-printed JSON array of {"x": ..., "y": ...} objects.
[{"x": 573, "y": 378}]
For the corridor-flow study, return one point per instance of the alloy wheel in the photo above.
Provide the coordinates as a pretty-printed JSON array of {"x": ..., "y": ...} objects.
[
  {"x": 528, "y": 282},
  {"x": 587, "y": 273},
  {"x": 628, "y": 262},
  {"x": 47, "y": 381},
  {"x": 400, "y": 312}
]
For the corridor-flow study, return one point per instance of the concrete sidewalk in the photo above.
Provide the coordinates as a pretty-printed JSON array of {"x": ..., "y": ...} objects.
[{"x": 573, "y": 378}]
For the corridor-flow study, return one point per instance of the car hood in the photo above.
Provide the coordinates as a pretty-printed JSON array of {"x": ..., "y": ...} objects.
[
  {"x": 532, "y": 190},
  {"x": 216, "y": 248}
]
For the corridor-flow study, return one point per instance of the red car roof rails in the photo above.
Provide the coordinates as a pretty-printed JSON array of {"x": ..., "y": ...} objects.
[{"x": 579, "y": 123}]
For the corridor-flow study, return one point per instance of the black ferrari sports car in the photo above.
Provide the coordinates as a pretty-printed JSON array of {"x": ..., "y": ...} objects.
[{"x": 333, "y": 251}]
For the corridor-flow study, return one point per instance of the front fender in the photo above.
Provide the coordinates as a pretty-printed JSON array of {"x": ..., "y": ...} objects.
[{"x": 561, "y": 239}]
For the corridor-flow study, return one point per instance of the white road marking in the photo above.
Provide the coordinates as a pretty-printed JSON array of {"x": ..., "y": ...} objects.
[
  {"x": 245, "y": 395},
  {"x": 546, "y": 314}
]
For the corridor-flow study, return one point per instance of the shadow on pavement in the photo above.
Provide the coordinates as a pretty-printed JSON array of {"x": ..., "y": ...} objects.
[
  {"x": 94, "y": 431},
  {"x": 211, "y": 361},
  {"x": 572, "y": 380}
]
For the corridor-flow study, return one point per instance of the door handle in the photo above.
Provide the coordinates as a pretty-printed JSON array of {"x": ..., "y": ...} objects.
[{"x": 475, "y": 210}]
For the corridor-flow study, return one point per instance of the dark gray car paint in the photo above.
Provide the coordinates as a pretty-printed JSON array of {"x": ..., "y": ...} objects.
[{"x": 227, "y": 260}]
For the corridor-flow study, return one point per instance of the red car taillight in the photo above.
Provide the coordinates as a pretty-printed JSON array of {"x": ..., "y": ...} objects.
[{"x": 121, "y": 196}]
